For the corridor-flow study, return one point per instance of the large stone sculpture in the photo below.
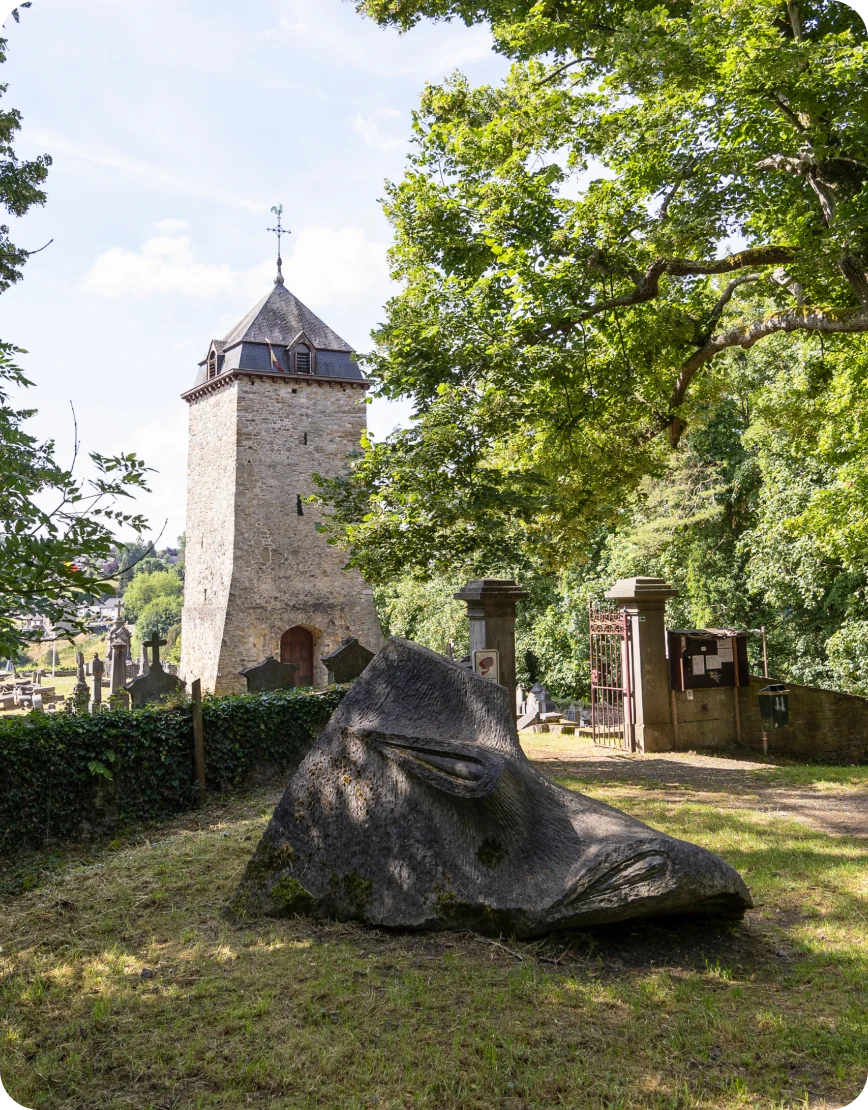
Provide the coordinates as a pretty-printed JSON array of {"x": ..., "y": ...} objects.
[{"x": 416, "y": 808}]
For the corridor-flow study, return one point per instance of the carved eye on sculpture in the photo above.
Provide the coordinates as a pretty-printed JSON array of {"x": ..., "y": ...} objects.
[{"x": 457, "y": 769}]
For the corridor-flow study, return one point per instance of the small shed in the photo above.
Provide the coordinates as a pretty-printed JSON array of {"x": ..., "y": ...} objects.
[{"x": 707, "y": 658}]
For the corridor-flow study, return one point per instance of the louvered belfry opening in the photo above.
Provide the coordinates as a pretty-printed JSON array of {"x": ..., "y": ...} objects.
[{"x": 296, "y": 647}]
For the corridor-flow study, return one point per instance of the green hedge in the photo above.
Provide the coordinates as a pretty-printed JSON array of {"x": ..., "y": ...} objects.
[{"x": 62, "y": 775}]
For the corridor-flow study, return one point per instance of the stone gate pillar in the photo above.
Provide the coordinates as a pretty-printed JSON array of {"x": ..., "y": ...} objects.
[
  {"x": 644, "y": 600},
  {"x": 491, "y": 609}
]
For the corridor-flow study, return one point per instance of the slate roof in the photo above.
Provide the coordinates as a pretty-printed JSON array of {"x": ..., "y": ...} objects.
[
  {"x": 281, "y": 319},
  {"x": 278, "y": 318}
]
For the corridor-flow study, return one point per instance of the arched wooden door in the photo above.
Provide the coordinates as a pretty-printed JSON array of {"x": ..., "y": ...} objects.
[{"x": 296, "y": 646}]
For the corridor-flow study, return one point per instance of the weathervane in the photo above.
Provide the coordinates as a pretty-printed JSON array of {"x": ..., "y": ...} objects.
[{"x": 277, "y": 209}]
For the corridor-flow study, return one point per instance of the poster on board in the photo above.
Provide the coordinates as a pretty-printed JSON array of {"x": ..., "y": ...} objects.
[{"x": 487, "y": 663}]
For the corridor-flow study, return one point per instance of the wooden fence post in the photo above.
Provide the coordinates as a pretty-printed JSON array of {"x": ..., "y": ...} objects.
[{"x": 198, "y": 734}]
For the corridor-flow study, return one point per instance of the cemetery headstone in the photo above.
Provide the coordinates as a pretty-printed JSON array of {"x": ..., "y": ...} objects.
[
  {"x": 540, "y": 700},
  {"x": 144, "y": 666},
  {"x": 118, "y": 650},
  {"x": 80, "y": 692},
  {"x": 270, "y": 674},
  {"x": 156, "y": 685},
  {"x": 348, "y": 661},
  {"x": 119, "y": 666},
  {"x": 97, "y": 669}
]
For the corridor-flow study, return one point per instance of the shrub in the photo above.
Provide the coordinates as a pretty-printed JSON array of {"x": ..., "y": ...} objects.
[
  {"x": 146, "y": 588},
  {"x": 158, "y": 615},
  {"x": 63, "y": 775}
]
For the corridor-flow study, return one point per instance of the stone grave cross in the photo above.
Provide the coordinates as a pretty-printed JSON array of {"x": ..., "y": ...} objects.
[
  {"x": 156, "y": 685},
  {"x": 155, "y": 643}
]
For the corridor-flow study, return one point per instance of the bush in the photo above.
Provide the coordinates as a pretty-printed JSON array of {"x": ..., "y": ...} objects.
[
  {"x": 63, "y": 775},
  {"x": 146, "y": 588},
  {"x": 159, "y": 615}
]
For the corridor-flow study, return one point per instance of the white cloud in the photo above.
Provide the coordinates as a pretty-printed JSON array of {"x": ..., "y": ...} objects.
[
  {"x": 430, "y": 52},
  {"x": 337, "y": 264},
  {"x": 165, "y": 264},
  {"x": 370, "y": 127},
  {"x": 155, "y": 177},
  {"x": 324, "y": 265},
  {"x": 171, "y": 227}
]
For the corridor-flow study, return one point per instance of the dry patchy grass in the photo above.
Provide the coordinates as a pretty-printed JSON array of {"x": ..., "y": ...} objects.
[{"x": 121, "y": 986}]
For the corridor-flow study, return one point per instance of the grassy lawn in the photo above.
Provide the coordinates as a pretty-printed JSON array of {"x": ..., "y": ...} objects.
[{"x": 121, "y": 986}]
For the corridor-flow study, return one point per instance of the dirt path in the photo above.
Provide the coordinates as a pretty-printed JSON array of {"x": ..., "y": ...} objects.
[{"x": 832, "y": 808}]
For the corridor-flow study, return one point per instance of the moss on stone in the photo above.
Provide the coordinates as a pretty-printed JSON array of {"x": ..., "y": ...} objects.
[
  {"x": 291, "y": 897},
  {"x": 267, "y": 862},
  {"x": 358, "y": 890},
  {"x": 491, "y": 853}
]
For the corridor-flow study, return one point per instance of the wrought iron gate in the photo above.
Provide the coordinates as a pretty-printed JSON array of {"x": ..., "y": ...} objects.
[{"x": 611, "y": 678}]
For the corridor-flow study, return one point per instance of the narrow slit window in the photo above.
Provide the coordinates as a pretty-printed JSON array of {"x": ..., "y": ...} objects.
[
  {"x": 302, "y": 361},
  {"x": 299, "y": 508},
  {"x": 305, "y": 439}
]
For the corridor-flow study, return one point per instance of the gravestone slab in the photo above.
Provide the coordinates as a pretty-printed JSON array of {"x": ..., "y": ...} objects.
[
  {"x": 80, "y": 692},
  {"x": 348, "y": 661},
  {"x": 417, "y": 809},
  {"x": 527, "y": 720},
  {"x": 97, "y": 669},
  {"x": 270, "y": 674},
  {"x": 156, "y": 685}
]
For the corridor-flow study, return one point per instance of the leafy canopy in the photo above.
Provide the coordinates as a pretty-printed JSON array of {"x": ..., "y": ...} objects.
[
  {"x": 581, "y": 249},
  {"x": 146, "y": 588}
]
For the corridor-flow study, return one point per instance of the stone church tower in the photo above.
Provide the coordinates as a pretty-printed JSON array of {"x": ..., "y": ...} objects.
[{"x": 278, "y": 399}]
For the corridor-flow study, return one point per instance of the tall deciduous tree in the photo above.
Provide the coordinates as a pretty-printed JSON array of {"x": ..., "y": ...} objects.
[{"x": 654, "y": 186}]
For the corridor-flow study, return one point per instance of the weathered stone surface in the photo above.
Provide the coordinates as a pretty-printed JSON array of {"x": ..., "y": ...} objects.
[
  {"x": 417, "y": 809},
  {"x": 348, "y": 662},
  {"x": 271, "y": 674},
  {"x": 156, "y": 685},
  {"x": 255, "y": 567}
]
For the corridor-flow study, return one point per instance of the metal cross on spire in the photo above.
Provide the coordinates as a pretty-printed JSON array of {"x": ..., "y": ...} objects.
[{"x": 279, "y": 231}]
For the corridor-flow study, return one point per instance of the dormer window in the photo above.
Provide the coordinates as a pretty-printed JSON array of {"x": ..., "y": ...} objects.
[
  {"x": 302, "y": 360},
  {"x": 212, "y": 365}
]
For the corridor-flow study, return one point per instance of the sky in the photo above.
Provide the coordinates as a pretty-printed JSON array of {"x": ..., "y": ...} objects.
[{"x": 174, "y": 126}]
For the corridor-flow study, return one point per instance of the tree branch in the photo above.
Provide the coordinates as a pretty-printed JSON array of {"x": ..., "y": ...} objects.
[
  {"x": 787, "y": 112},
  {"x": 795, "y": 19},
  {"x": 648, "y": 286},
  {"x": 561, "y": 69},
  {"x": 745, "y": 336},
  {"x": 724, "y": 300}
]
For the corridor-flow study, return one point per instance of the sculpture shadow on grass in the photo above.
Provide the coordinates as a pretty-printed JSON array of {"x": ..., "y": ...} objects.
[{"x": 417, "y": 809}]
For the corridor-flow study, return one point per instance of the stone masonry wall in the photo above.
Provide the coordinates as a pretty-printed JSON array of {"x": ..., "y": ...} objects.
[
  {"x": 211, "y": 460},
  {"x": 824, "y": 724},
  {"x": 283, "y": 573},
  {"x": 707, "y": 720}
]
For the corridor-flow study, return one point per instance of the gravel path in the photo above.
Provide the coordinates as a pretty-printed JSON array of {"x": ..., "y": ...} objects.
[{"x": 835, "y": 809}]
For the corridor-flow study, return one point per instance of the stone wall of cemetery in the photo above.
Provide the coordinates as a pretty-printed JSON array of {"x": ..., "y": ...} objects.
[{"x": 825, "y": 725}]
